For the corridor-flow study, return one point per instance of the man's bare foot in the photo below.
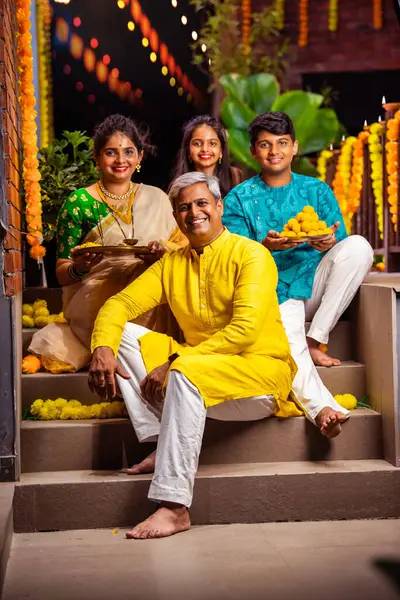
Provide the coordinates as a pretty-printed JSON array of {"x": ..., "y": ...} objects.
[
  {"x": 330, "y": 422},
  {"x": 146, "y": 466},
  {"x": 165, "y": 521},
  {"x": 320, "y": 358}
]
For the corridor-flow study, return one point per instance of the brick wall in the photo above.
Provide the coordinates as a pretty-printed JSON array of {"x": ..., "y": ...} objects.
[
  {"x": 354, "y": 47},
  {"x": 10, "y": 159}
]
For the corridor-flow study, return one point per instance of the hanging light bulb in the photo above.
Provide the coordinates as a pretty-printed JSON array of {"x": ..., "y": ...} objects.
[{"x": 62, "y": 1}]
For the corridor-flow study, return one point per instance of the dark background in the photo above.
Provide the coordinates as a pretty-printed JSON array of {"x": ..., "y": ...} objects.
[{"x": 160, "y": 107}]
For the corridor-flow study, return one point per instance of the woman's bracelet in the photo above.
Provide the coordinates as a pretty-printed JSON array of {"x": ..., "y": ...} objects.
[{"x": 74, "y": 273}]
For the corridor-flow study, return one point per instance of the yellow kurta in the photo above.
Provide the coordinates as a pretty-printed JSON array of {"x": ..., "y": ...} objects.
[{"x": 225, "y": 302}]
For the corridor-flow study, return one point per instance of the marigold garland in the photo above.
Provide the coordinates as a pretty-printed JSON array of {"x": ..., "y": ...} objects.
[
  {"x": 61, "y": 408},
  {"x": 280, "y": 14},
  {"x": 377, "y": 9},
  {"x": 323, "y": 158},
  {"x": 333, "y": 15},
  {"x": 375, "y": 153},
  {"x": 31, "y": 173},
  {"x": 392, "y": 166},
  {"x": 43, "y": 25},
  {"x": 303, "y": 23},
  {"x": 246, "y": 21},
  {"x": 357, "y": 174},
  {"x": 341, "y": 181}
]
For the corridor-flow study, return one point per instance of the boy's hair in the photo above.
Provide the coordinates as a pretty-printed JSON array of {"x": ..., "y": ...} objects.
[{"x": 277, "y": 123}]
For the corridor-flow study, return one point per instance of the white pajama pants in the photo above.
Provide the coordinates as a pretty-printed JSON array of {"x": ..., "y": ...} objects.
[
  {"x": 337, "y": 279},
  {"x": 180, "y": 427}
]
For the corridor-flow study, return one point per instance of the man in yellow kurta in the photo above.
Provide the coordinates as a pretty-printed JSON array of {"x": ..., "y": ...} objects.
[{"x": 235, "y": 363}]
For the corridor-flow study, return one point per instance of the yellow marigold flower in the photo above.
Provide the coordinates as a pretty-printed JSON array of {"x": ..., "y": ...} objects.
[
  {"x": 36, "y": 406},
  {"x": 27, "y": 309},
  {"x": 41, "y": 321},
  {"x": 60, "y": 402},
  {"x": 347, "y": 401},
  {"x": 114, "y": 409},
  {"x": 28, "y": 321},
  {"x": 42, "y": 311},
  {"x": 75, "y": 403},
  {"x": 39, "y": 303}
]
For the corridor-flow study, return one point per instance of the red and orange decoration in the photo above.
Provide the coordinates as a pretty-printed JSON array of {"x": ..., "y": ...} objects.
[
  {"x": 303, "y": 23},
  {"x": 246, "y": 23},
  {"x": 392, "y": 166},
  {"x": 31, "y": 174}
]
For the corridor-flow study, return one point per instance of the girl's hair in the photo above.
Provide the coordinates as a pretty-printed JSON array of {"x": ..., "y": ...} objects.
[
  {"x": 183, "y": 163},
  {"x": 120, "y": 124}
]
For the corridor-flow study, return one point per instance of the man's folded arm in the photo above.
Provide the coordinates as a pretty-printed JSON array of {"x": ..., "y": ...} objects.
[
  {"x": 254, "y": 293},
  {"x": 143, "y": 294}
]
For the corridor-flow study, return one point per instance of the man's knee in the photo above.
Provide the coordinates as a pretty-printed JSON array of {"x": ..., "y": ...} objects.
[{"x": 358, "y": 249}]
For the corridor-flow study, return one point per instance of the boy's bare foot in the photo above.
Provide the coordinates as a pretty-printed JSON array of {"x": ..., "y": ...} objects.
[
  {"x": 146, "y": 466},
  {"x": 330, "y": 422},
  {"x": 320, "y": 358},
  {"x": 165, "y": 521}
]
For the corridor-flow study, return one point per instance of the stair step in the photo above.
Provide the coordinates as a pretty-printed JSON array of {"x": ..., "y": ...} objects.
[
  {"x": 112, "y": 444},
  {"x": 349, "y": 377},
  {"x": 235, "y": 493},
  {"x": 341, "y": 343},
  {"x": 341, "y": 340}
]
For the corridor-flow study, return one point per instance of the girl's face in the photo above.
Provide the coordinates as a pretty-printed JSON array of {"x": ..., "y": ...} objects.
[
  {"x": 118, "y": 158},
  {"x": 205, "y": 148}
]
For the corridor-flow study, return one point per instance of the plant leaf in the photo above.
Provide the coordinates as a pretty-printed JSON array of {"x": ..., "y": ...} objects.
[
  {"x": 322, "y": 131},
  {"x": 236, "y": 114},
  {"x": 239, "y": 146},
  {"x": 263, "y": 90},
  {"x": 302, "y": 165}
]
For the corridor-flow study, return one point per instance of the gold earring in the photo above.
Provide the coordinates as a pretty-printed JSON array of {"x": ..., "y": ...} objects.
[
  {"x": 220, "y": 160},
  {"x": 138, "y": 167}
]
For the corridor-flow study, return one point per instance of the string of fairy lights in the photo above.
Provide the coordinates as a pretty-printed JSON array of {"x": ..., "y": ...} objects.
[
  {"x": 159, "y": 51},
  {"x": 99, "y": 66}
]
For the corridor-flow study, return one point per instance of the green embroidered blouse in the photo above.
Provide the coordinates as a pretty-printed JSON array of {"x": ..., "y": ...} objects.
[{"x": 79, "y": 214}]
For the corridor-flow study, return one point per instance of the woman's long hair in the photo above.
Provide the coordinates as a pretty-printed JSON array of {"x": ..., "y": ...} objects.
[{"x": 183, "y": 163}]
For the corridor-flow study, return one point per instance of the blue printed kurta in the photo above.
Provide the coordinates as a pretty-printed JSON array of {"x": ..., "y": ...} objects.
[{"x": 253, "y": 208}]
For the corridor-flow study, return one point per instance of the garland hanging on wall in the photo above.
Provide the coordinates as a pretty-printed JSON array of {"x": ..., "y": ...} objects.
[
  {"x": 323, "y": 158},
  {"x": 377, "y": 10},
  {"x": 31, "y": 173},
  {"x": 333, "y": 15},
  {"x": 43, "y": 23},
  {"x": 280, "y": 14},
  {"x": 303, "y": 23},
  {"x": 357, "y": 173},
  {"x": 246, "y": 22},
  {"x": 392, "y": 166},
  {"x": 375, "y": 155},
  {"x": 341, "y": 181}
]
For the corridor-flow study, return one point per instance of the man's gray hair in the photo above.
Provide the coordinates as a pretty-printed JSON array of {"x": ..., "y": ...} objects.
[{"x": 191, "y": 178}]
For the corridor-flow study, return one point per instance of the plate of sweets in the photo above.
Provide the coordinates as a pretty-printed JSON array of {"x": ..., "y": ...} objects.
[
  {"x": 128, "y": 248},
  {"x": 306, "y": 226}
]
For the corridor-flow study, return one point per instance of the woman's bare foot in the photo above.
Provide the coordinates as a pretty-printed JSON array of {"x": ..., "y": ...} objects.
[
  {"x": 320, "y": 358},
  {"x": 165, "y": 521},
  {"x": 146, "y": 466},
  {"x": 330, "y": 422}
]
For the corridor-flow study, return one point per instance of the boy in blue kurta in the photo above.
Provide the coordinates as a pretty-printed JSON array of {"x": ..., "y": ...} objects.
[{"x": 317, "y": 280}]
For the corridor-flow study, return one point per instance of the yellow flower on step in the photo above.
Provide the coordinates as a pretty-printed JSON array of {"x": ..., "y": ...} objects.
[
  {"x": 48, "y": 413},
  {"x": 85, "y": 412},
  {"x": 39, "y": 304},
  {"x": 60, "y": 403},
  {"x": 36, "y": 406},
  {"x": 98, "y": 412},
  {"x": 75, "y": 403},
  {"x": 346, "y": 400},
  {"x": 114, "y": 409},
  {"x": 27, "y": 309},
  {"x": 41, "y": 311},
  {"x": 41, "y": 321},
  {"x": 27, "y": 321}
]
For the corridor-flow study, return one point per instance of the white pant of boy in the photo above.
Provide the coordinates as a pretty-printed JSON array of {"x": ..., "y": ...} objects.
[
  {"x": 337, "y": 279},
  {"x": 180, "y": 427}
]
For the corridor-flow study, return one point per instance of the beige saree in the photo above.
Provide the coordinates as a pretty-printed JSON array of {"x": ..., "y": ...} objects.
[{"x": 66, "y": 347}]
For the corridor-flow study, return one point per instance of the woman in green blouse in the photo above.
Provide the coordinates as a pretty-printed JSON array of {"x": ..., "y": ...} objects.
[{"x": 105, "y": 213}]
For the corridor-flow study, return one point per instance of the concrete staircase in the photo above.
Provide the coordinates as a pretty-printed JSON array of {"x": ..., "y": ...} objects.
[{"x": 271, "y": 470}]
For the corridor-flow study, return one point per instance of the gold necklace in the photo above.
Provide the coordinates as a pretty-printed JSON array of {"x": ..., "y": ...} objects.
[
  {"x": 116, "y": 196},
  {"x": 127, "y": 215}
]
